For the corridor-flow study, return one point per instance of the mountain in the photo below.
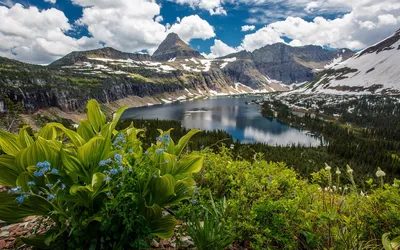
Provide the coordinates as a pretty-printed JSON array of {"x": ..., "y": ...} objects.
[
  {"x": 104, "y": 53},
  {"x": 173, "y": 48},
  {"x": 292, "y": 65},
  {"x": 376, "y": 69},
  {"x": 174, "y": 71}
]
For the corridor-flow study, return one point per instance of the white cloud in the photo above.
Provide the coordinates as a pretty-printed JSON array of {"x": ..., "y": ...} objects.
[
  {"x": 8, "y": 3},
  {"x": 191, "y": 27},
  {"x": 260, "y": 38},
  {"x": 387, "y": 19},
  {"x": 220, "y": 49},
  {"x": 51, "y": 1},
  {"x": 213, "y": 6},
  {"x": 366, "y": 22},
  {"x": 248, "y": 27},
  {"x": 38, "y": 41}
]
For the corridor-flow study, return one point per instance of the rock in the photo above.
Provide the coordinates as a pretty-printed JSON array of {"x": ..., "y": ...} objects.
[
  {"x": 2, "y": 244},
  {"x": 155, "y": 244},
  {"x": 4, "y": 234},
  {"x": 173, "y": 47},
  {"x": 186, "y": 242}
]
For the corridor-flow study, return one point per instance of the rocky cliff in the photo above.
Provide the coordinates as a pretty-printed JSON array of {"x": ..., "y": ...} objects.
[{"x": 290, "y": 65}]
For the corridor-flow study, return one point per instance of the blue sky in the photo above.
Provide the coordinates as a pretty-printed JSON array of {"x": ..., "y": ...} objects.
[{"x": 214, "y": 27}]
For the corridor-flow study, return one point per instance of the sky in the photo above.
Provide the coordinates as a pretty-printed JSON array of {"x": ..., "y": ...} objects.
[{"x": 41, "y": 31}]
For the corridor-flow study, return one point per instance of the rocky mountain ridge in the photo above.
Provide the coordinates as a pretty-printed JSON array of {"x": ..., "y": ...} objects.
[
  {"x": 374, "y": 70},
  {"x": 108, "y": 75}
]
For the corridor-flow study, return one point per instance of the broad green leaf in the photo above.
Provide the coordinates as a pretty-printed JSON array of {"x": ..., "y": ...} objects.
[
  {"x": 97, "y": 181},
  {"x": 12, "y": 212},
  {"x": 75, "y": 138},
  {"x": 85, "y": 130},
  {"x": 164, "y": 226},
  {"x": 189, "y": 164},
  {"x": 386, "y": 241},
  {"x": 8, "y": 171},
  {"x": 71, "y": 162},
  {"x": 91, "y": 153},
  {"x": 396, "y": 243},
  {"x": 117, "y": 115},
  {"x": 23, "y": 180},
  {"x": 9, "y": 143},
  {"x": 181, "y": 193},
  {"x": 41, "y": 150},
  {"x": 160, "y": 189},
  {"x": 184, "y": 141},
  {"x": 24, "y": 139},
  {"x": 95, "y": 116},
  {"x": 48, "y": 132}
]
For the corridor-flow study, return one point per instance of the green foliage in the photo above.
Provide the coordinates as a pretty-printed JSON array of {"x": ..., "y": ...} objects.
[
  {"x": 207, "y": 227},
  {"x": 274, "y": 208},
  {"x": 89, "y": 179}
]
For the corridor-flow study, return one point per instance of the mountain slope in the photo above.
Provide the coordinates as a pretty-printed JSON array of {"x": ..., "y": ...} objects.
[
  {"x": 173, "y": 48},
  {"x": 291, "y": 65},
  {"x": 105, "y": 53},
  {"x": 376, "y": 69}
]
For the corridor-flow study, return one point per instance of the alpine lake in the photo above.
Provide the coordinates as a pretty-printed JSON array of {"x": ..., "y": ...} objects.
[{"x": 236, "y": 115}]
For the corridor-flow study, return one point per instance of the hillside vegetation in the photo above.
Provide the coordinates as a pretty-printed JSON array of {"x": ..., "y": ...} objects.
[{"x": 108, "y": 187}]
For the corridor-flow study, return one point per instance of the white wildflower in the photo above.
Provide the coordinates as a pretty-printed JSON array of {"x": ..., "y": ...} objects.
[
  {"x": 380, "y": 173},
  {"x": 349, "y": 170},
  {"x": 338, "y": 171},
  {"x": 327, "y": 167}
]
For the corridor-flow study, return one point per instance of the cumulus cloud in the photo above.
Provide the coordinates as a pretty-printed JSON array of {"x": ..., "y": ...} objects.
[
  {"x": 365, "y": 22},
  {"x": 213, "y": 6},
  {"x": 248, "y": 27},
  {"x": 220, "y": 49},
  {"x": 39, "y": 41},
  {"x": 51, "y": 1},
  {"x": 191, "y": 27}
]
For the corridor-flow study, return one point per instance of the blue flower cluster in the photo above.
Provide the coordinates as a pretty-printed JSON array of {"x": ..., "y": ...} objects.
[
  {"x": 21, "y": 198},
  {"x": 105, "y": 162},
  {"x": 51, "y": 197},
  {"x": 16, "y": 190},
  {"x": 43, "y": 168},
  {"x": 118, "y": 158},
  {"x": 119, "y": 141}
]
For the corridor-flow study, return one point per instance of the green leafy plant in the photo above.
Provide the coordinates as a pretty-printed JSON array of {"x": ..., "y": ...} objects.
[
  {"x": 209, "y": 231},
  {"x": 73, "y": 177},
  {"x": 390, "y": 244}
]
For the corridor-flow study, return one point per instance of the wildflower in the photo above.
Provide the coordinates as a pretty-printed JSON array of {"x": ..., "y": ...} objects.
[
  {"x": 118, "y": 158},
  {"x": 362, "y": 193},
  {"x": 130, "y": 170},
  {"x": 121, "y": 168},
  {"x": 50, "y": 197},
  {"x": 113, "y": 171},
  {"x": 108, "y": 193},
  {"x": 194, "y": 201},
  {"x": 31, "y": 183},
  {"x": 106, "y": 172},
  {"x": 349, "y": 170},
  {"x": 20, "y": 199},
  {"x": 380, "y": 173},
  {"x": 338, "y": 171},
  {"x": 102, "y": 163},
  {"x": 232, "y": 146},
  {"x": 159, "y": 139},
  {"x": 46, "y": 164},
  {"x": 39, "y": 165},
  {"x": 155, "y": 176},
  {"x": 159, "y": 151},
  {"x": 130, "y": 150},
  {"x": 49, "y": 185},
  {"x": 167, "y": 161},
  {"x": 120, "y": 184},
  {"x": 108, "y": 161},
  {"x": 54, "y": 171},
  {"x": 166, "y": 137},
  {"x": 107, "y": 179},
  {"x": 327, "y": 167},
  {"x": 63, "y": 186},
  {"x": 16, "y": 190},
  {"x": 147, "y": 153}
]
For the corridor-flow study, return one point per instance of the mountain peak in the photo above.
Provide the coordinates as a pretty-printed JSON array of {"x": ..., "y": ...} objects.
[{"x": 174, "y": 47}]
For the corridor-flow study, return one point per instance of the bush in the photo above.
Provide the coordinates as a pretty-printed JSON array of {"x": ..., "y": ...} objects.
[{"x": 97, "y": 185}]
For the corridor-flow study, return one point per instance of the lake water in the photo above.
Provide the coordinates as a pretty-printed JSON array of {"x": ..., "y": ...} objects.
[{"x": 244, "y": 122}]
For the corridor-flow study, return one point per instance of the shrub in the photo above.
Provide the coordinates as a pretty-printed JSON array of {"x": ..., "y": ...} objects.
[{"x": 89, "y": 179}]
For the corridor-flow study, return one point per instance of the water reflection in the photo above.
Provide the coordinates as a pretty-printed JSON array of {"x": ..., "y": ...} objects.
[{"x": 242, "y": 121}]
